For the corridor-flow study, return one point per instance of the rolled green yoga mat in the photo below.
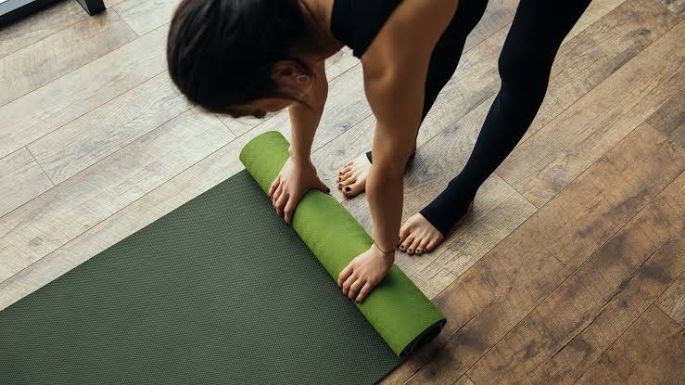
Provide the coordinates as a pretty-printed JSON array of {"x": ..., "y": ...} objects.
[
  {"x": 396, "y": 308},
  {"x": 219, "y": 291}
]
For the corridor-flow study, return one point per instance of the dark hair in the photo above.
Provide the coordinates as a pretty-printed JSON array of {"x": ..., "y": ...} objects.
[{"x": 221, "y": 52}]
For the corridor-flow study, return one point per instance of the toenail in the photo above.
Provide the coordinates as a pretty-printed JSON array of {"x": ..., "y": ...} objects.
[
  {"x": 410, "y": 251},
  {"x": 347, "y": 189},
  {"x": 418, "y": 251},
  {"x": 339, "y": 185}
]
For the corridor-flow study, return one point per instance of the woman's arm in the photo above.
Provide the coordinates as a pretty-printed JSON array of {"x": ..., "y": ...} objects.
[
  {"x": 304, "y": 121},
  {"x": 395, "y": 68},
  {"x": 298, "y": 174}
]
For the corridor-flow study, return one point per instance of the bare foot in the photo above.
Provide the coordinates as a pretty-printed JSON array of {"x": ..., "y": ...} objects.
[
  {"x": 418, "y": 236},
  {"x": 352, "y": 177}
]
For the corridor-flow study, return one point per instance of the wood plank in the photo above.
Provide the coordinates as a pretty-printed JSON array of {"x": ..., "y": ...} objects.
[
  {"x": 101, "y": 132},
  {"x": 65, "y": 99},
  {"x": 53, "y": 18},
  {"x": 54, "y": 218},
  {"x": 630, "y": 270},
  {"x": 598, "y": 51},
  {"x": 595, "y": 11},
  {"x": 675, "y": 6},
  {"x": 21, "y": 179},
  {"x": 672, "y": 302},
  {"x": 541, "y": 166},
  {"x": 60, "y": 53},
  {"x": 39, "y": 26},
  {"x": 487, "y": 301},
  {"x": 145, "y": 16},
  {"x": 574, "y": 358},
  {"x": 652, "y": 351}
]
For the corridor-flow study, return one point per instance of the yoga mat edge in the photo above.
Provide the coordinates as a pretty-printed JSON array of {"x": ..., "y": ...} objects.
[{"x": 402, "y": 315}]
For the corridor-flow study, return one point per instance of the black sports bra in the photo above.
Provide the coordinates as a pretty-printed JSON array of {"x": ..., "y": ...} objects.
[{"x": 355, "y": 23}]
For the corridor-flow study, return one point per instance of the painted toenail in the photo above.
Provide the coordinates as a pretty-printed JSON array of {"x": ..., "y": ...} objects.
[
  {"x": 347, "y": 189},
  {"x": 418, "y": 251}
]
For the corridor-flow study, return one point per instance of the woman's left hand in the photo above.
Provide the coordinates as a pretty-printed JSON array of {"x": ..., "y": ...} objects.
[{"x": 364, "y": 272}]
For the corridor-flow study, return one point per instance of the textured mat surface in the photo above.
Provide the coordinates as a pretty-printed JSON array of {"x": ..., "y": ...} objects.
[{"x": 221, "y": 290}]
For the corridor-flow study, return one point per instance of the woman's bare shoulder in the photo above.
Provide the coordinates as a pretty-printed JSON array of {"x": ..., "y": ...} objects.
[{"x": 408, "y": 35}]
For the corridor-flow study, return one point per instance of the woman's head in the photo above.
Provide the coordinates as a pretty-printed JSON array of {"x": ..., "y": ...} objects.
[{"x": 238, "y": 56}]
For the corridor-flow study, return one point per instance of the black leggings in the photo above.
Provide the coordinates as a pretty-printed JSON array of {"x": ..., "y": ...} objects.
[{"x": 537, "y": 31}]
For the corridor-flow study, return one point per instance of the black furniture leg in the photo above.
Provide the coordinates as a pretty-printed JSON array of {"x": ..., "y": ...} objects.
[
  {"x": 13, "y": 10},
  {"x": 92, "y": 6}
]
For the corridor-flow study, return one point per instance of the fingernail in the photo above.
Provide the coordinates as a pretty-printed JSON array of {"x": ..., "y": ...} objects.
[{"x": 347, "y": 189}]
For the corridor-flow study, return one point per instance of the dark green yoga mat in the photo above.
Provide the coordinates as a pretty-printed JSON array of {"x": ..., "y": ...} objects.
[{"x": 221, "y": 291}]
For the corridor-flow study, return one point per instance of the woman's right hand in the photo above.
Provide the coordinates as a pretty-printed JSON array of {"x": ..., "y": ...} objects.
[{"x": 295, "y": 179}]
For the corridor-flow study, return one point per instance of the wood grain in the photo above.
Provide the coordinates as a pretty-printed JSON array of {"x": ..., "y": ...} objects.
[
  {"x": 71, "y": 208},
  {"x": 626, "y": 262},
  {"x": 487, "y": 301},
  {"x": 21, "y": 179},
  {"x": 39, "y": 26},
  {"x": 672, "y": 302},
  {"x": 652, "y": 351},
  {"x": 541, "y": 166},
  {"x": 145, "y": 16},
  {"x": 77, "y": 93},
  {"x": 60, "y": 53},
  {"x": 104, "y": 130}
]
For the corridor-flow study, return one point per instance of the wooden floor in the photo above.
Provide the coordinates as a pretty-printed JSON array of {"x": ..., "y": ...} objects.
[{"x": 570, "y": 269}]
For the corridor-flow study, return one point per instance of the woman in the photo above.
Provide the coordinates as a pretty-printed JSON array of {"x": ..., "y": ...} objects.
[{"x": 251, "y": 57}]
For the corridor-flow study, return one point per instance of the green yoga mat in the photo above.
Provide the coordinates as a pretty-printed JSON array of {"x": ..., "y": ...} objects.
[{"x": 221, "y": 291}]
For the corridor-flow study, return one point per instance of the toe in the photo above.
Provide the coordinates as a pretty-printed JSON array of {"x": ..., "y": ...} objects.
[
  {"x": 344, "y": 175},
  {"x": 432, "y": 243},
  {"x": 421, "y": 248},
  {"x": 348, "y": 181},
  {"x": 407, "y": 242},
  {"x": 414, "y": 245},
  {"x": 354, "y": 189},
  {"x": 404, "y": 231}
]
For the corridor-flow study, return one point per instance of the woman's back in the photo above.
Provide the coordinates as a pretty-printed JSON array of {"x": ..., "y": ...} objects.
[{"x": 357, "y": 22}]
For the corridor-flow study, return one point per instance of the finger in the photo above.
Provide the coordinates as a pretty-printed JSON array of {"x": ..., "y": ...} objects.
[
  {"x": 364, "y": 292},
  {"x": 322, "y": 186},
  {"x": 348, "y": 282},
  {"x": 273, "y": 186},
  {"x": 280, "y": 203},
  {"x": 277, "y": 193},
  {"x": 354, "y": 288},
  {"x": 289, "y": 208},
  {"x": 344, "y": 274}
]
